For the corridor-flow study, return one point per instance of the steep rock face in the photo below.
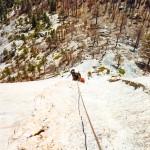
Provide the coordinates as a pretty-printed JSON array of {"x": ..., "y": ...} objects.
[{"x": 53, "y": 116}]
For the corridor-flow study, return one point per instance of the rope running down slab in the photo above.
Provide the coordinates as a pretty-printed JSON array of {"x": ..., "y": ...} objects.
[{"x": 98, "y": 144}]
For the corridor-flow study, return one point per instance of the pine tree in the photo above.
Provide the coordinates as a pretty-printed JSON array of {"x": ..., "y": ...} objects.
[
  {"x": 39, "y": 68},
  {"x": 29, "y": 5},
  {"x": 34, "y": 21},
  {"x": 53, "y": 5},
  {"x": 9, "y": 3},
  {"x": 2, "y": 10},
  {"x": 46, "y": 18},
  {"x": 7, "y": 71},
  {"x": 43, "y": 62},
  {"x": 31, "y": 68}
]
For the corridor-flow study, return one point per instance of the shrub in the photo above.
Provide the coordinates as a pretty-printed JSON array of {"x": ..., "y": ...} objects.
[
  {"x": 25, "y": 51},
  {"x": 30, "y": 36},
  {"x": 6, "y": 71},
  {"x": 22, "y": 37},
  {"x": 5, "y": 51},
  {"x": 122, "y": 71},
  {"x": 108, "y": 71},
  {"x": 10, "y": 38},
  {"x": 34, "y": 21},
  {"x": 17, "y": 37},
  {"x": 20, "y": 21},
  {"x": 9, "y": 79},
  {"x": 2, "y": 76},
  {"x": 22, "y": 56},
  {"x": 9, "y": 57},
  {"x": 101, "y": 69},
  {"x": 57, "y": 57},
  {"x": 38, "y": 58},
  {"x": 89, "y": 74}
]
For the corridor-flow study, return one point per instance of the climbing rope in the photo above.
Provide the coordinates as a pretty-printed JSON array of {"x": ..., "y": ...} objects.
[{"x": 98, "y": 144}]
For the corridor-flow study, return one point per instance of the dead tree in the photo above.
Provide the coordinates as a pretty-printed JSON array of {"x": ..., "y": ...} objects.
[
  {"x": 145, "y": 50},
  {"x": 139, "y": 34}
]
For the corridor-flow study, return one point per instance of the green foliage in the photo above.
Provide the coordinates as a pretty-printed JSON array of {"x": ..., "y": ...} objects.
[
  {"x": 7, "y": 22},
  {"x": 30, "y": 36},
  {"x": 17, "y": 37},
  {"x": 38, "y": 58},
  {"x": 57, "y": 57},
  {"x": 18, "y": 76},
  {"x": 9, "y": 57},
  {"x": 146, "y": 45},
  {"x": 5, "y": 51},
  {"x": 20, "y": 21},
  {"x": 61, "y": 13},
  {"x": 34, "y": 52},
  {"x": 13, "y": 79},
  {"x": 11, "y": 38},
  {"x": 26, "y": 20},
  {"x": 53, "y": 34},
  {"x": 89, "y": 74},
  {"x": 108, "y": 71},
  {"x": 36, "y": 34},
  {"x": 53, "y": 5},
  {"x": 145, "y": 50},
  {"x": 17, "y": 2},
  {"x": 146, "y": 41},
  {"x": 39, "y": 26},
  {"x": 49, "y": 26},
  {"x": 31, "y": 67},
  {"x": 34, "y": 21},
  {"x": 46, "y": 18},
  {"x": 39, "y": 67},
  {"x": 9, "y": 79},
  {"x": 48, "y": 39},
  {"x": 122, "y": 71},
  {"x": 33, "y": 35},
  {"x": 23, "y": 68},
  {"x": 29, "y": 7},
  {"x": 23, "y": 38},
  {"x": 101, "y": 69},
  {"x": 7, "y": 71},
  {"x": 22, "y": 56},
  {"x": 43, "y": 61},
  {"x": 20, "y": 48},
  {"x": 25, "y": 51},
  {"x": 2, "y": 76},
  {"x": 63, "y": 52},
  {"x": 3, "y": 11},
  {"x": 14, "y": 45}
]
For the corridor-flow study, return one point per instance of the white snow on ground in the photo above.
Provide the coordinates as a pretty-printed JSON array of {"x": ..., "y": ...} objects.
[
  {"x": 3, "y": 40},
  {"x": 45, "y": 114},
  {"x": 55, "y": 21},
  {"x": 131, "y": 69}
]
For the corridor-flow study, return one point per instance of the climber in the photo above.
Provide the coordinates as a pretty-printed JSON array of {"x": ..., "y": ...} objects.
[{"x": 76, "y": 76}]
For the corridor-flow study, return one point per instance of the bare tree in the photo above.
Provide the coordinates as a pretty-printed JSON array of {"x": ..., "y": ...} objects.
[
  {"x": 117, "y": 38},
  {"x": 139, "y": 33},
  {"x": 145, "y": 51},
  {"x": 94, "y": 36},
  {"x": 96, "y": 12},
  {"x": 122, "y": 21}
]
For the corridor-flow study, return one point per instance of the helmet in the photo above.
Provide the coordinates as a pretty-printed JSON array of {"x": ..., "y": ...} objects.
[{"x": 72, "y": 71}]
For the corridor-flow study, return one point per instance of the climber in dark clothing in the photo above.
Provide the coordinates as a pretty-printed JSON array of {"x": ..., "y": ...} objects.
[{"x": 76, "y": 76}]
